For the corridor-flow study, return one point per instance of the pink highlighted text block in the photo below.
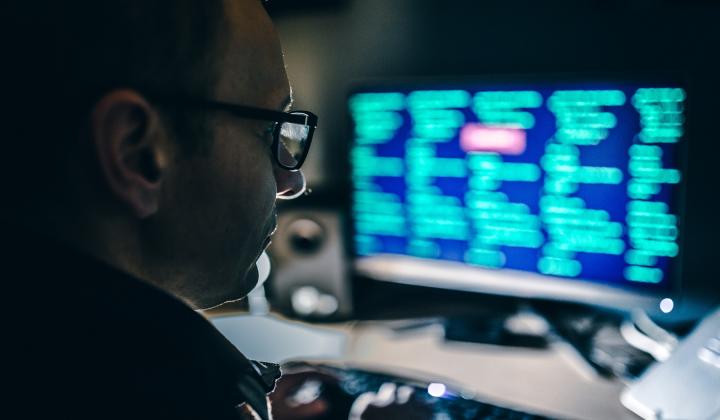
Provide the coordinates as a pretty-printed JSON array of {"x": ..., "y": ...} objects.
[{"x": 482, "y": 138}]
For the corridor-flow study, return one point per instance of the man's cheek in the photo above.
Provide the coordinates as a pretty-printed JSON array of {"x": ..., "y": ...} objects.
[{"x": 250, "y": 280}]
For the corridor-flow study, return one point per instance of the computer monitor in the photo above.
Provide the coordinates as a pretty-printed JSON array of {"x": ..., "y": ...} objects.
[{"x": 552, "y": 189}]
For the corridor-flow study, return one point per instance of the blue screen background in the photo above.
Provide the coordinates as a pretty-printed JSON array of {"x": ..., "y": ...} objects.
[{"x": 613, "y": 152}]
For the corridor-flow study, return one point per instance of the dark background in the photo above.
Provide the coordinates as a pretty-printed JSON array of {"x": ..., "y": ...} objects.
[{"x": 331, "y": 45}]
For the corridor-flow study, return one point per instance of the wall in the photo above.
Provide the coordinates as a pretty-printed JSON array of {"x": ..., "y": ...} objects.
[{"x": 331, "y": 44}]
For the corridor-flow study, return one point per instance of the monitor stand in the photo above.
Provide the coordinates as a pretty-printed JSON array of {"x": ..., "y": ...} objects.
[{"x": 516, "y": 327}]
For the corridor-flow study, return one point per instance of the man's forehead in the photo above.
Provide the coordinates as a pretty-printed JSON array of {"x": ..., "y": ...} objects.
[
  {"x": 288, "y": 101},
  {"x": 252, "y": 67}
]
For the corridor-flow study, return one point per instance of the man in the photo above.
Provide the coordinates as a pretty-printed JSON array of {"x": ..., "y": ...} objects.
[{"x": 138, "y": 190}]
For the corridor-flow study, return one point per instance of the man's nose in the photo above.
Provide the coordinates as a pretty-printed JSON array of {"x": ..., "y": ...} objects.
[{"x": 290, "y": 184}]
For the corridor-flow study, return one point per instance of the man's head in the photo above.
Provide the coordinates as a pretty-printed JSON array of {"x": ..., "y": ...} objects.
[{"x": 180, "y": 197}]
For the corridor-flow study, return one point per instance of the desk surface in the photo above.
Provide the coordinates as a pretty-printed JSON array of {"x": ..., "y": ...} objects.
[{"x": 553, "y": 381}]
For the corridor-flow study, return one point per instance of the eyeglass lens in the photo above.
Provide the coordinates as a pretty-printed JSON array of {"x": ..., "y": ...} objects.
[{"x": 292, "y": 142}]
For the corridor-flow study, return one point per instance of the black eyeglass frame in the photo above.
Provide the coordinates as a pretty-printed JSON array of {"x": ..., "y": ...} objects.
[{"x": 243, "y": 111}]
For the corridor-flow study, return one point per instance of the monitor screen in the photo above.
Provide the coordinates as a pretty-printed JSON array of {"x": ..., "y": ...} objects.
[{"x": 575, "y": 182}]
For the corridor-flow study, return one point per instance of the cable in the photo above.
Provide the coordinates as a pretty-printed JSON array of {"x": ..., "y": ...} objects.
[{"x": 645, "y": 335}]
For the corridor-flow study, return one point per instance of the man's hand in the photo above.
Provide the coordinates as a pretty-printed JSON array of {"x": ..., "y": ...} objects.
[{"x": 298, "y": 395}]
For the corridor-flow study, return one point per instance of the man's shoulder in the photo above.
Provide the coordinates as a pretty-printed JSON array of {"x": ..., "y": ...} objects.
[{"x": 88, "y": 337}]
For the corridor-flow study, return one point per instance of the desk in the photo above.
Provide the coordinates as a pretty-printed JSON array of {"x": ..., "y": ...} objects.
[{"x": 551, "y": 381}]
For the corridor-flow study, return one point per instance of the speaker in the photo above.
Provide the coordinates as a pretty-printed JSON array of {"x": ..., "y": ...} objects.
[{"x": 309, "y": 277}]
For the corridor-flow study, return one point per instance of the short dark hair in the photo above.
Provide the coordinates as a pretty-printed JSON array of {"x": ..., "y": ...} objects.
[{"x": 58, "y": 57}]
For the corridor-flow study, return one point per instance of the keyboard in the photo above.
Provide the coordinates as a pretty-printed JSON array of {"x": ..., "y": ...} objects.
[{"x": 368, "y": 394}]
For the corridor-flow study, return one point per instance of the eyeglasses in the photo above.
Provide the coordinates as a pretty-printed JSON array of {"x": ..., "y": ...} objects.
[{"x": 292, "y": 132}]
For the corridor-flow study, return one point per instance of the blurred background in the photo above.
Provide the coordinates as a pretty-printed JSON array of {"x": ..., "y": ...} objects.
[{"x": 357, "y": 322}]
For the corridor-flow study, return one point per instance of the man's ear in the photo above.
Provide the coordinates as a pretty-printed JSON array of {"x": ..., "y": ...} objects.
[{"x": 131, "y": 148}]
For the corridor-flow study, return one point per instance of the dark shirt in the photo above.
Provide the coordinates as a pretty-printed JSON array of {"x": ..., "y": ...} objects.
[{"x": 83, "y": 340}]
